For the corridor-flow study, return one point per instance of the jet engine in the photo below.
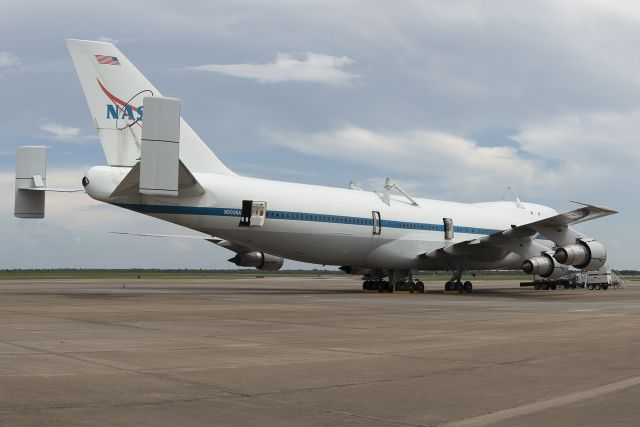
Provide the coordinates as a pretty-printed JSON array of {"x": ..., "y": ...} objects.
[
  {"x": 259, "y": 260},
  {"x": 544, "y": 266},
  {"x": 587, "y": 255}
]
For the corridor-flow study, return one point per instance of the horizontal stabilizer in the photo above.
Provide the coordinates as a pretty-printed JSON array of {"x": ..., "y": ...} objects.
[
  {"x": 220, "y": 242},
  {"x": 174, "y": 236},
  {"x": 188, "y": 186},
  {"x": 55, "y": 189}
]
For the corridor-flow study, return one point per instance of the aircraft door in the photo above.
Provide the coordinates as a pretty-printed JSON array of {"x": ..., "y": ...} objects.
[
  {"x": 377, "y": 224},
  {"x": 245, "y": 215},
  {"x": 258, "y": 214},
  {"x": 253, "y": 213},
  {"x": 448, "y": 228}
]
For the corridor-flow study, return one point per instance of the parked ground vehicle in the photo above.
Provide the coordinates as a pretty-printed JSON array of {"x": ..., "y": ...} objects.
[{"x": 592, "y": 280}]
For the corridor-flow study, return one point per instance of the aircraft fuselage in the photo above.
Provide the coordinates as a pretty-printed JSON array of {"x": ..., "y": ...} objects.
[{"x": 327, "y": 225}]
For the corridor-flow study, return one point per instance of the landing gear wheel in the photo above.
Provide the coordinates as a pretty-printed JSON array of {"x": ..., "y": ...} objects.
[
  {"x": 448, "y": 286},
  {"x": 552, "y": 287},
  {"x": 545, "y": 286},
  {"x": 536, "y": 286},
  {"x": 468, "y": 287},
  {"x": 420, "y": 287},
  {"x": 459, "y": 286}
]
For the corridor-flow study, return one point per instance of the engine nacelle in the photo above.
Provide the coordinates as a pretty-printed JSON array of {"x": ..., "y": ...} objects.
[
  {"x": 544, "y": 266},
  {"x": 259, "y": 260},
  {"x": 587, "y": 255}
]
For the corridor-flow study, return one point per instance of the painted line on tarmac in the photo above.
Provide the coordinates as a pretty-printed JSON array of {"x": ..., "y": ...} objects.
[{"x": 542, "y": 405}]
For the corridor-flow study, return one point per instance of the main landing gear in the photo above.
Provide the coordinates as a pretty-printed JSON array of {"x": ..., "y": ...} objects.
[
  {"x": 377, "y": 285},
  {"x": 456, "y": 284},
  {"x": 384, "y": 286},
  {"x": 399, "y": 281},
  {"x": 459, "y": 286}
]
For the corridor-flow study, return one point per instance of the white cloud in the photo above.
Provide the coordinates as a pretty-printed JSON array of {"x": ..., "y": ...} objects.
[
  {"x": 107, "y": 39},
  {"x": 449, "y": 161},
  {"x": 7, "y": 59},
  {"x": 595, "y": 138},
  {"x": 313, "y": 68},
  {"x": 61, "y": 132}
]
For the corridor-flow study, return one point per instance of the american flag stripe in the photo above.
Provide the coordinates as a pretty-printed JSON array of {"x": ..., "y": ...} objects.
[{"x": 107, "y": 60}]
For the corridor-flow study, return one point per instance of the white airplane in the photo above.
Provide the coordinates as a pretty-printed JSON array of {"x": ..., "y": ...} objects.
[{"x": 163, "y": 169}]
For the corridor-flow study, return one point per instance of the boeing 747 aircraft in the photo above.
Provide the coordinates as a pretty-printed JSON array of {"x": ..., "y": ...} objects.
[{"x": 159, "y": 166}]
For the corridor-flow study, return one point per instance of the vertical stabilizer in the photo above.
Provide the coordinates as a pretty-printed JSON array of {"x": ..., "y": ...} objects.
[{"x": 114, "y": 89}]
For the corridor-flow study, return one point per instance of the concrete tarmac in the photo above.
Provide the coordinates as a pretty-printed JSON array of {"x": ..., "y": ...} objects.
[{"x": 274, "y": 352}]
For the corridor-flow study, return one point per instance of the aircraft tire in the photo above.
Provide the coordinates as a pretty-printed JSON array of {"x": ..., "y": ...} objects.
[
  {"x": 536, "y": 286},
  {"x": 420, "y": 286},
  {"x": 552, "y": 287},
  {"x": 468, "y": 287},
  {"x": 448, "y": 286}
]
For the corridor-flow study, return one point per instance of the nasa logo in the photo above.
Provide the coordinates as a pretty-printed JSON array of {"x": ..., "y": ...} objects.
[
  {"x": 115, "y": 111},
  {"x": 119, "y": 109}
]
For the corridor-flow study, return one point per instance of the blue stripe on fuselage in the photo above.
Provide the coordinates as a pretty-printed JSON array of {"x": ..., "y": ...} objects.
[{"x": 301, "y": 216}]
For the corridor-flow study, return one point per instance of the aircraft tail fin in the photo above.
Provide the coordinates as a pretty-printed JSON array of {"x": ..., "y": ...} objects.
[{"x": 114, "y": 89}]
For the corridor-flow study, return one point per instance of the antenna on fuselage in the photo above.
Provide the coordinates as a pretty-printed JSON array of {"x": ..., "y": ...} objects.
[
  {"x": 517, "y": 201},
  {"x": 354, "y": 186},
  {"x": 385, "y": 195}
]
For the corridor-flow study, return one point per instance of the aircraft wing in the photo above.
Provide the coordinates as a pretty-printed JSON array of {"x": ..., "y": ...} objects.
[
  {"x": 585, "y": 213},
  {"x": 519, "y": 239},
  {"x": 220, "y": 242}
]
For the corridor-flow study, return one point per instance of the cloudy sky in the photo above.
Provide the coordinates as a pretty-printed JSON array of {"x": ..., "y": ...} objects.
[{"x": 454, "y": 99}]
